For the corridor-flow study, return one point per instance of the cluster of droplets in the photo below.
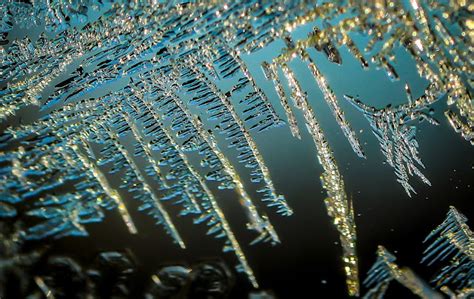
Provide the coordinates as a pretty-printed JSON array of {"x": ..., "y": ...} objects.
[{"x": 36, "y": 270}]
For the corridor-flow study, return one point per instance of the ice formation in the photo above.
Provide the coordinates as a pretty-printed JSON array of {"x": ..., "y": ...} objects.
[
  {"x": 131, "y": 91},
  {"x": 386, "y": 270},
  {"x": 454, "y": 241}
]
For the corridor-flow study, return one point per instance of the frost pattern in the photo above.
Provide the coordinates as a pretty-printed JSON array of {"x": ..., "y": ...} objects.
[{"x": 139, "y": 75}]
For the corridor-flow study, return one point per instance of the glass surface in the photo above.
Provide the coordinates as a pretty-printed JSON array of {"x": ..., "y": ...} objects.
[{"x": 106, "y": 123}]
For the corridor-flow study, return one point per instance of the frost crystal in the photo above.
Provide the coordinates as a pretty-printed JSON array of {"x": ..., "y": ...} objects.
[
  {"x": 142, "y": 100},
  {"x": 454, "y": 240},
  {"x": 386, "y": 270}
]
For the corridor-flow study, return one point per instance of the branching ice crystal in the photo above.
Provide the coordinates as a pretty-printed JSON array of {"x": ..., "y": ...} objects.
[
  {"x": 397, "y": 138},
  {"x": 118, "y": 91},
  {"x": 454, "y": 240},
  {"x": 437, "y": 34},
  {"x": 386, "y": 270},
  {"x": 337, "y": 203}
]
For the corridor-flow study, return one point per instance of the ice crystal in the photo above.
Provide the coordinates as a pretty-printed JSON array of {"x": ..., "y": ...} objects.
[
  {"x": 386, "y": 270},
  {"x": 454, "y": 241},
  {"x": 134, "y": 91},
  {"x": 397, "y": 138}
]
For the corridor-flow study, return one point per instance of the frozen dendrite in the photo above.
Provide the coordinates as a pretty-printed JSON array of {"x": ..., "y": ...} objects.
[
  {"x": 338, "y": 206},
  {"x": 385, "y": 270},
  {"x": 452, "y": 240},
  {"x": 434, "y": 33},
  {"x": 397, "y": 138},
  {"x": 114, "y": 89}
]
